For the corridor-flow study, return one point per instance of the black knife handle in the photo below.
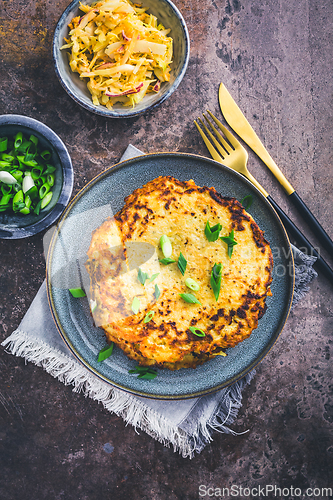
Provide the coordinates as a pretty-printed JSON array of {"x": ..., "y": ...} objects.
[
  {"x": 313, "y": 223},
  {"x": 293, "y": 230}
]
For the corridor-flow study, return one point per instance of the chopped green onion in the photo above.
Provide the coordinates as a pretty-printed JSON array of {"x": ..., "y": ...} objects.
[
  {"x": 46, "y": 155},
  {"x": 77, "y": 292},
  {"x": 197, "y": 331},
  {"x": 190, "y": 298},
  {"x": 193, "y": 285},
  {"x": 46, "y": 200},
  {"x": 50, "y": 179},
  {"x": 144, "y": 372},
  {"x": 44, "y": 190},
  {"x": 18, "y": 140},
  {"x": 229, "y": 240},
  {"x": 7, "y": 178},
  {"x": 247, "y": 201},
  {"x": 5, "y": 199},
  {"x": 24, "y": 168},
  {"x": 166, "y": 246},
  {"x": 135, "y": 306},
  {"x": 17, "y": 201},
  {"x": 154, "y": 276},
  {"x": 105, "y": 352},
  {"x": 216, "y": 279},
  {"x": 212, "y": 233},
  {"x": 157, "y": 292},
  {"x": 182, "y": 263},
  {"x": 27, "y": 183},
  {"x": 149, "y": 316},
  {"x": 142, "y": 276},
  {"x": 167, "y": 261},
  {"x": 6, "y": 188},
  {"x": 3, "y": 143}
]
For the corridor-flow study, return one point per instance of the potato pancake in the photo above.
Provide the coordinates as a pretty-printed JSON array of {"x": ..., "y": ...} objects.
[{"x": 145, "y": 303}]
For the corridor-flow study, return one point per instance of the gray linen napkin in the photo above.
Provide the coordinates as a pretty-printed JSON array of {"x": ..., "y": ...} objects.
[{"x": 187, "y": 425}]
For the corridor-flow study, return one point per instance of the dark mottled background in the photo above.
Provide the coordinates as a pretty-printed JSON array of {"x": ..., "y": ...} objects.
[{"x": 276, "y": 58}]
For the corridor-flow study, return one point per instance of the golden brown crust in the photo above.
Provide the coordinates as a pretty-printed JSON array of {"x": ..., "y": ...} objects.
[{"x": 130, "y": 241}]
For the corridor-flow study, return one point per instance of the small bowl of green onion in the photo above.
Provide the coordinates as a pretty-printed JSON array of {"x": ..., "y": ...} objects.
[{"x": 36, "y": 177}]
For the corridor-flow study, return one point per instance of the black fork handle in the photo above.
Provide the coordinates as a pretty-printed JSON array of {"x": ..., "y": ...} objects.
[
  {"x": 313, "y": 223},
  {"x": 320, "y": 264}
]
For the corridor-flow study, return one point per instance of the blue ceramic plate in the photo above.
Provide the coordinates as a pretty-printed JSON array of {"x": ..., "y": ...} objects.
[{"x": 104, "y": 196}]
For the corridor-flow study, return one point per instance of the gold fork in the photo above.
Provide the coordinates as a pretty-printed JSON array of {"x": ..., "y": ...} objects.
[{"x": 230, "y": 152}]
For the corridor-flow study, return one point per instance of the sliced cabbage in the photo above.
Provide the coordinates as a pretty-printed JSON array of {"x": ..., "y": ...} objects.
[{"x": 120, "y": 50}]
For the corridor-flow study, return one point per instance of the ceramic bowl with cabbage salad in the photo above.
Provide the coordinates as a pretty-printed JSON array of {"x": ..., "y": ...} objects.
[{"x": 115, "y": 55}]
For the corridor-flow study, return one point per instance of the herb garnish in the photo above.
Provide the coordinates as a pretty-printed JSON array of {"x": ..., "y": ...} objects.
[
  {"x": 190, "y": 298},
  {"x": 193, "y": 285},
  {"x": 167, "y": 261},
  {"x": 216, "y": 279},
  {"x": 149, "y": 316},
  {"x": 182, "y": 263},
  {"x": 229, "y": 240},
  {"x": 157, "y": 292},
  {"x": 197, "y": 331},
  {"x": 212, "y": 233},
  {"x": 105, "y": 352},
  {"x": 247, "y": 201},
  {"x": 166, "y": 246},
  {"x": 154, "y": 276},
  {"x": 135, "y": 305},
  {"x": 142, "y": 276},
  {"x": 77, "y": 292},
  {"x": 144, "y": 372}
]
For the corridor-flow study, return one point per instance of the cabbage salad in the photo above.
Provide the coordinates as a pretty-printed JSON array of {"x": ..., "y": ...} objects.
[{"x": 120, "y": 50}]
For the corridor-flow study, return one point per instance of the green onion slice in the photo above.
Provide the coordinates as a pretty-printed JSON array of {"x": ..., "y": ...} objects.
[
  {"x": 216, "y": 279},
  {"x": 144, "y": 372},
  {"x": 44, "y": 190},
  {"x": 197, "y": 331},
  {"x": 46, "y": 200},
  {"x": 149, "y": 316},
  {"x": 77, "y": 292},
  {"x": 157, "y": 292},
  {"x": 154, "y": 276},
  {"x": 135, "y": 306},
  {"x": 212, "y": 233},
  {"x": 193, "y": 285},
  {"x": 229, "y": 240},
  {"x": 3, "y": 143},
  {"x": 18, "y": 139},
  {"x": 182, "y": 263},
  {"x": 166, "y": 246},
  {"x": 142, "y": 276},
  {"x": 167, "y": 261},
  {"x": 189, "y": 298},
  {"x": 105, "y": 352},
  {"x": 247, "y": 201}
]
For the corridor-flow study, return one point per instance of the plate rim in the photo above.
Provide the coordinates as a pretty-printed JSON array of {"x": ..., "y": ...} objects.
[{"x": 168, "y": 397}]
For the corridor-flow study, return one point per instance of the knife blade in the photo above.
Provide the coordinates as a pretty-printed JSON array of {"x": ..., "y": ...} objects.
[{"x": 238, "y": 122}]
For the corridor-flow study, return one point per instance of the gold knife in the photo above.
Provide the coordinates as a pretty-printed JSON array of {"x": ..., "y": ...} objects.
[{"x": 237, "y": 121}]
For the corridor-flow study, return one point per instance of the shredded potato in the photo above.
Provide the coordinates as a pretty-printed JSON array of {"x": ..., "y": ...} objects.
[{"x": 120, "y": 50}]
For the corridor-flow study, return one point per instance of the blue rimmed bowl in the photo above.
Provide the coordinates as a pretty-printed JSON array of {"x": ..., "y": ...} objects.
[
  {"x": 167, "y": 14},
  {"x": 16, "y": 226}
]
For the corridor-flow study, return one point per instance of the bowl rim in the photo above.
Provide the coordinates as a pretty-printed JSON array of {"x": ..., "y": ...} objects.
[
  {"x": 102, "y": 110},
  {"x": 11, "y": 232}
]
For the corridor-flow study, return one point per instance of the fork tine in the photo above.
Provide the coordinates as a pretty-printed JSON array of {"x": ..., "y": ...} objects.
[
  {"x": 226, "y": 147},
  {"x": 233, "y": 141},
  {"x": 224, "y": 153},
  {"x": 209, "y": 145}
]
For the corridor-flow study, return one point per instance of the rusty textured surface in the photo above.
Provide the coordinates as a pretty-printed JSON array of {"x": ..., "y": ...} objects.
[{"x": 276, "y": 58}]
